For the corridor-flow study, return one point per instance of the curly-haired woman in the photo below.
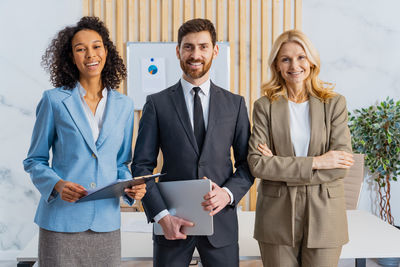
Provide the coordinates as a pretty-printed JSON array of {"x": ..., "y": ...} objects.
[
  {"x": 88, "y": 126},
  {"x": 300, "y": 148}
]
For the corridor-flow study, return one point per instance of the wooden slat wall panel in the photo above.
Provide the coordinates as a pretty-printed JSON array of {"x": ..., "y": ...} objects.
[
  {"x": 85, "y": 7},
  {"x": 159, "y": 20},
  {"x": 232, "y": 41},
  {"x": 287, "y": 13},
  {"x": 208, "y": 9},
  {"x": 176, "y": 19},
  {"x": 275, "y": 19},
  {"x": 187, "y": 10},
  {"x": 220, "y": 21},
  {"x": 242, "y": 48},
  {"x": 298, "y": 14},
  {"x": 154, "y": 21},
  {"x": 198, "y": 9},
  {"x": 108, "y": 16},
  {"x": 164, "y": 21}
]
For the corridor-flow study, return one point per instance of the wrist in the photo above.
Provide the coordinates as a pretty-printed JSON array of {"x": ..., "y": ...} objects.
[
  {"x": 59, "y": 186},
  {"x": 315, "y": 163},
  {"x": 164, "y": 220}
]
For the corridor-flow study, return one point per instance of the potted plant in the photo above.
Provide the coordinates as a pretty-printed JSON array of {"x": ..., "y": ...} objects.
[{"x": 375, "y": 132}]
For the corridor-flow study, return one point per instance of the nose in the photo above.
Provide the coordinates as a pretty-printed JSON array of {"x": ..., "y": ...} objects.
[
  {"x": 89, "y": 53},
  {"x": 294, "y": 64},
  {"x": 195, "y": 53}
]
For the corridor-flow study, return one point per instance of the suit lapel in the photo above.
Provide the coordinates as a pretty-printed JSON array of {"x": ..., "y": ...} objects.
[
  {"x": 73, "y": 103},
  {"x": 280, "y": 127},
  {"x": 112, "y": 112},
  {"x": 178, "y": 100},
  {"x": 317, "y": 119}
]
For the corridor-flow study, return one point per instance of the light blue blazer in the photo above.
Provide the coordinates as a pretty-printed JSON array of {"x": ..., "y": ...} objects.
[{"x": 61, "y": 125}]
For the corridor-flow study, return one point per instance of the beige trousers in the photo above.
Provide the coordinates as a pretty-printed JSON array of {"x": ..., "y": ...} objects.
[{"x": 274, "y": 255}]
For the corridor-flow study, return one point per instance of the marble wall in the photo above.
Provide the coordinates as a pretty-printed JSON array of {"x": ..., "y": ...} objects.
[
  {"x": 359, "y": 45},
  {"x": 26, "y": 29},
  {"x": 358, "y": 42}
]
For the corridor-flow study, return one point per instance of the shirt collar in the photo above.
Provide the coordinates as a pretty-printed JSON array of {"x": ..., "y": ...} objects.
[
  {"x": 82, "y": 91},
  {"x": 187, "y": 87}
]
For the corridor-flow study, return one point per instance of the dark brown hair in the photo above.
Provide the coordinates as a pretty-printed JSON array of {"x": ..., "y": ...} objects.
[
  {"x": 57, "y": 59},
  {"x": 197, "y": 25}
]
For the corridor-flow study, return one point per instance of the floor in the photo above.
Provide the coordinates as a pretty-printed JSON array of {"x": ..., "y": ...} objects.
[{"x": 342, "y": 263}]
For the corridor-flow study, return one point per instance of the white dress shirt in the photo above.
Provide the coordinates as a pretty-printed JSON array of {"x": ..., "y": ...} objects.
[
  {"x": 204, "y": 95},
  {"x": 300, "y": 127},
  {"x": 95, "y": 120}
]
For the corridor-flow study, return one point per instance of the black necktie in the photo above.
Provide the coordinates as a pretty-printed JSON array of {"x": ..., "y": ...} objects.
[{"x": 198, "y": 120}]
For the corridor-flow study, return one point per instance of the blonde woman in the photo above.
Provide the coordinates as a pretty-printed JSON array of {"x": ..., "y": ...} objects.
[{"x": 300, "y": 148}]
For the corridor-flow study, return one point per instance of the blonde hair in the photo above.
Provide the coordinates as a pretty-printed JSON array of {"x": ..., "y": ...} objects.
[{"x": 276, "y": 85}]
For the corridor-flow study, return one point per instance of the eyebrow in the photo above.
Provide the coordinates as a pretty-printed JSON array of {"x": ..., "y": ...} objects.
[
  {"x": 300, "y": 54},
  {"x": 95, "y": 41}
]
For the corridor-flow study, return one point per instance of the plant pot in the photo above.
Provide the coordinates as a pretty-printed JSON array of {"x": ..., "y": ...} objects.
[{"x": 390, "y": 262}]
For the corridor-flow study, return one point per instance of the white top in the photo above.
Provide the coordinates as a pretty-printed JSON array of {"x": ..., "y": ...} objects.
[
  {"x": 96, "y": 120},
  {"x": 204, "y": 95},
  {"x": 300, "y": 127}
]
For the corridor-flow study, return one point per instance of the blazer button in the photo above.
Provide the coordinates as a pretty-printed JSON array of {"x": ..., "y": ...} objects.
[
  {"x": 93, "y": 155},
  {"x": 92, "y": 185}
]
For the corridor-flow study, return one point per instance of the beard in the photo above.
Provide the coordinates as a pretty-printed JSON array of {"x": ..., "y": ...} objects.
[{"x": 195, "y": 74}]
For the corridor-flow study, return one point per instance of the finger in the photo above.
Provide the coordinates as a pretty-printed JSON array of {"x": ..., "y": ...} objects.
[
  {"x": 212, "y": 213},
  {"x": 70, "y": 194},
  {"x": 75, "y": 189},
  {"x": 210, "y": 195},
  {"x": 186, "y": 223},
  {"x": 214, "y": 186},
  {"x": 138, "y": 187}
]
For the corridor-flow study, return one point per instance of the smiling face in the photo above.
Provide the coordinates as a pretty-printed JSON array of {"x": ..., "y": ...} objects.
[
  {"x": 196, "y": 54},
  {"x": 89, "y": 54},
  {"x": 293, "y": 65}
]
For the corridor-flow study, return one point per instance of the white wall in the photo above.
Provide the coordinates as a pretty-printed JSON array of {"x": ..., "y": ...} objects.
[
  {"x": 359, "y": 44},
  {"x": 26, "y": 29}
]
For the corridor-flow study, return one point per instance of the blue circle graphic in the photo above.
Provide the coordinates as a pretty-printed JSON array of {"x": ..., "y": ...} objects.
[{"x": 153, "y": 69}]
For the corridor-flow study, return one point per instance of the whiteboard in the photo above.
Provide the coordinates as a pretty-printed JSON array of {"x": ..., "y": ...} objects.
[{"x": 153, "y": 67}]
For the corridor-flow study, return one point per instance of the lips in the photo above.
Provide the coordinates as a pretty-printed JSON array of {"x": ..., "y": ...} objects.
[
  {"x": 92, "y": 65},
  {"x": 194, "y": 64}
]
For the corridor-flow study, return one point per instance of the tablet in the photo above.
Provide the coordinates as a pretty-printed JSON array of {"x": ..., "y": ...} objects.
[
  {"x": 183, "y": 199},
  {"x": 116, "y": 189}
]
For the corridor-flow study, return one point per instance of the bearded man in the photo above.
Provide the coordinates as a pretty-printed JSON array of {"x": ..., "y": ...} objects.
[{"x": 195, "y": 123}]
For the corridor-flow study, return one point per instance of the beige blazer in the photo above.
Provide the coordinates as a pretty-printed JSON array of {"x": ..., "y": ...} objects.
[{"x": 282, "y": 173}]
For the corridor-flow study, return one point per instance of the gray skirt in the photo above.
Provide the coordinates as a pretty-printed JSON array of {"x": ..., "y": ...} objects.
[{"x": 79, "y": 249}]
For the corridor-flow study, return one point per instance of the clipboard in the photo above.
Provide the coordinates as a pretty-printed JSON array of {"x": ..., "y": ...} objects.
[
  {"x": 116, "y": 189},
  {"x": 183, "y": 199}
]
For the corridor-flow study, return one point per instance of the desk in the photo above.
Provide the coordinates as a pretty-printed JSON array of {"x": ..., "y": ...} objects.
[{"x": 370, "y": 237}]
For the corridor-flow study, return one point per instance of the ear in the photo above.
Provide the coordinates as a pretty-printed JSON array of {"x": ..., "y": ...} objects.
[
  {"x": 216, "y": 51},
  {"x": 178, "y": 55}
]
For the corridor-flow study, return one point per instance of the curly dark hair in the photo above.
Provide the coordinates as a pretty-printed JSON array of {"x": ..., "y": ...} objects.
[{"x": 57, "y": 59}]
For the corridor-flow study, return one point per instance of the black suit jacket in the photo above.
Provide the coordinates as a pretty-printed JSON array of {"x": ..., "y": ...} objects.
[{"x": 165, "y": 124}]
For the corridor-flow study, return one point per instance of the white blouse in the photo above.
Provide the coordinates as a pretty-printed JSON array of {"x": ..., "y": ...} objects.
[
  {"x": 300, "y": 127},
  {"x": 95, "y": 120}
]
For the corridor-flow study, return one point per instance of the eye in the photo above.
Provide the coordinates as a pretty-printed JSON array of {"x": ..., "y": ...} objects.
[
  {"x": 187, "y": 47},
  {"x": 302, "y": 57},
  {"x": 285, "y": 59},
  {"x": 204, "y": 46},
  {"x": 80, "y": 49},
  {"x": 97, "y": 46}
]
